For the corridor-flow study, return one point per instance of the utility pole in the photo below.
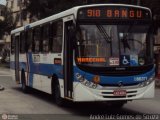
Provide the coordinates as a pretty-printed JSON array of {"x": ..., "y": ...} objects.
[{"x": 20, "y": 8}]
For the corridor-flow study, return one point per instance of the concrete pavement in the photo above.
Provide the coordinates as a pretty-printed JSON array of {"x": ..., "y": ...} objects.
[{"x": 40, "y": 105}]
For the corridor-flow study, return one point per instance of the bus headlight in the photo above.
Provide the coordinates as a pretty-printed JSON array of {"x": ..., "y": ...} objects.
[
  {"x": 79, "y": 77},
  {"x": 143, "y": 84},
  {"x": 85, "y": 82}
]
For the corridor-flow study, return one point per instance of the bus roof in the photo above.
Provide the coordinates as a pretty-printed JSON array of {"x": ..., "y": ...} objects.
[{"x": 72, "y": 11}]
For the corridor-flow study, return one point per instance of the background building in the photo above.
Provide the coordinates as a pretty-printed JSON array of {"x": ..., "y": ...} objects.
[
  {"x": 18, "y": 8},
  {"x": 10, "y": 18},
  {"x": 1, "y": 19},
  {"x": 2, "y": 41}
]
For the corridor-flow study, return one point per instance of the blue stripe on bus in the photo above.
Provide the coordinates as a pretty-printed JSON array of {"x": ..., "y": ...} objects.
[
  {"x": 42, "y": 69},
  {"x": 50, "y": 69},
  {"x": 115, "y": 80}
]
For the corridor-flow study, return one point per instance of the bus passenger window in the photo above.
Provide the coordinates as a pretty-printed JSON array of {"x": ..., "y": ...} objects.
[
  {"x": 36, "y": 40},
  {"x": 45, "y": 43},
  {"x": 29, "y": 41},
  {"x": 57, "y": 37},
  {"x": 22, "y": 42}
]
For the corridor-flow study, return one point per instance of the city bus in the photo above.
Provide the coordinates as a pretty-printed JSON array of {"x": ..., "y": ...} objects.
[{"x": 89, "y": 53}]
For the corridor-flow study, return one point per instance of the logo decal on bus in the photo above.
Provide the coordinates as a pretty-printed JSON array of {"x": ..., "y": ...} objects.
[
  {"x": 134, "y": 60},
  {"x": 114, "y": 61},
  {"x": 141, "y": 61},
  {"x": 125, "y": 60}
]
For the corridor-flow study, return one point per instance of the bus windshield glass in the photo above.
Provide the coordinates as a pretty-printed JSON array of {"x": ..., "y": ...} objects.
[{"x": 113, "y": 45}]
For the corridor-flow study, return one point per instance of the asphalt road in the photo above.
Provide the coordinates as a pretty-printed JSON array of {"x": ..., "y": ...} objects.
[{"x": 39, "y": 105}]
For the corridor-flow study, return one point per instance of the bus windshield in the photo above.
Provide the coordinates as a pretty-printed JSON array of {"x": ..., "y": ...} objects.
[{"x": 113, "y": 45}]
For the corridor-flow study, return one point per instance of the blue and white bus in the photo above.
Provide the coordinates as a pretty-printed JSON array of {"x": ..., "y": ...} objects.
[{"x": 90, "y": 53}]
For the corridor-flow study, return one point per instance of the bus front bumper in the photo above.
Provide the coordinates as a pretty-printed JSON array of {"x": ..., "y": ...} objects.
[{"x": 85, "y": 94}]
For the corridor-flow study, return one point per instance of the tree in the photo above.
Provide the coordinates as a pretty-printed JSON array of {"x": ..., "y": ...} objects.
[
  {"x": 43, "y": 8},
  {"x": 6, "y": 24}
]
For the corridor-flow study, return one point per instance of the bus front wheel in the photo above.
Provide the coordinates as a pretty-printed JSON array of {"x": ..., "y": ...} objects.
[{"x": 57, "y": 94}]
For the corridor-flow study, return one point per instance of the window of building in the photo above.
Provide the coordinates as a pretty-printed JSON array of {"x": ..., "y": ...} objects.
[
  {"x": 18, "y": 2},
  {"x": 12, "y": 4}
]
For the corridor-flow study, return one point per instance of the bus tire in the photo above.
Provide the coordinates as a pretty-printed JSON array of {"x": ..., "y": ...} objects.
[
  {"x": 157, "y": 83},
  {"x": 23, "y": 80},
  {"x": 56, "y": 92}
]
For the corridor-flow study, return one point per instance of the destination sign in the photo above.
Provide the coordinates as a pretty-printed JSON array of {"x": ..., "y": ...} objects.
[{"x": 113, "y": 12}]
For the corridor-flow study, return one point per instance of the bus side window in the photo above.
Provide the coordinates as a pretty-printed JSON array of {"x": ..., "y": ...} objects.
[
  {"x": 50, "y": 37},
  {"x": 26, "y": 44},
  {"x": 12, "y": 44},
  {"x": 22, "y": 42},
  {"x": 45, "y": 40},
  {"x": 29, "y": 41},
  {"x": 57, "y": 37},
  {"x": 36, "y": 40}
]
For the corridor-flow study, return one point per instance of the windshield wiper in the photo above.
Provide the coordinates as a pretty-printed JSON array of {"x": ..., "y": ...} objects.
[
  {"x": 125, "y": 44},
  {"x": 103, "y": 32},
  {"x": 105, "y": 35},
  {"x": 125, "y": 40}
]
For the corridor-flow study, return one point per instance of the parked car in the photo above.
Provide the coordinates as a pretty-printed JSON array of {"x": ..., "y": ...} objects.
[{"x": 0, "y": 58}]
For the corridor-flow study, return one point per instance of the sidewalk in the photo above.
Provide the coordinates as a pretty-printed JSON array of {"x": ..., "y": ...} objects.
[{"x": 4, "y": 70}]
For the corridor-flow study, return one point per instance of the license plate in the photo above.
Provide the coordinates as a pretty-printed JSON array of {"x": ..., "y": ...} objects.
[{"x": 119, "y": 93}]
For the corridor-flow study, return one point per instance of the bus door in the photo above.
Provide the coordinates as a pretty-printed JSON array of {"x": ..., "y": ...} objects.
[
  {"x": 68, "y": 59},
  {"x": 17, "y": 39}
]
